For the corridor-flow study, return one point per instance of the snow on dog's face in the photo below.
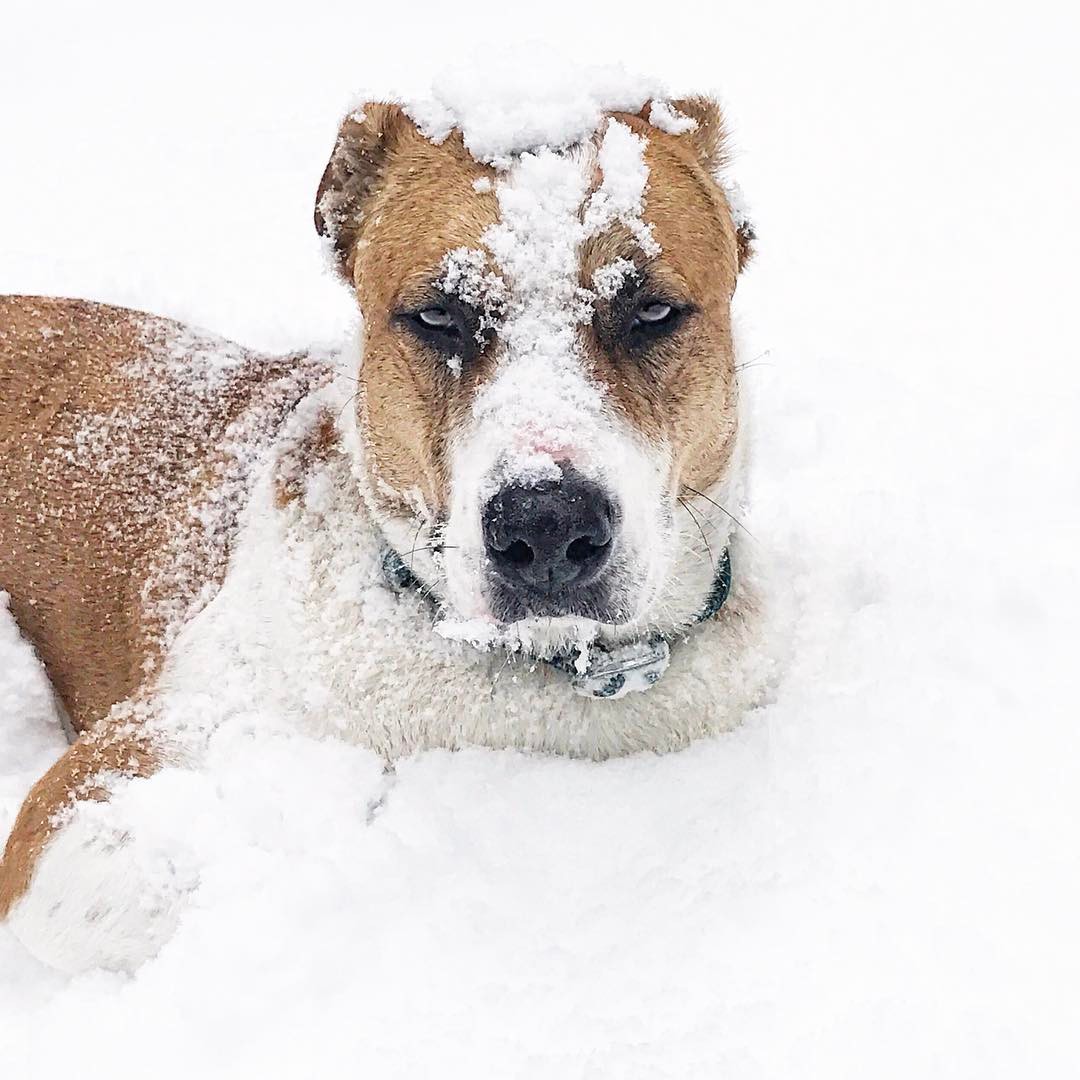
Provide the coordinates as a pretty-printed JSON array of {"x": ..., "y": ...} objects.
[{"x": 547, "y": 401}]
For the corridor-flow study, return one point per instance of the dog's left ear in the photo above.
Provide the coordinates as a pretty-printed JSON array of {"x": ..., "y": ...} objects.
[
  {"x": 354, "y": 174},
  {"x": 709, "y": 139}
]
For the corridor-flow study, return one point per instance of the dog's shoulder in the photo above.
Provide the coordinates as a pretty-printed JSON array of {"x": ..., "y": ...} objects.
[
  {"x": 68, "y": 366},
  {"x": 126, "y": 446}
]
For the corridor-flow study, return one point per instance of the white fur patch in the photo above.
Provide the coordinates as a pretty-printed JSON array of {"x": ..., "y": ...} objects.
[
  {"x": 542, "y": 407},
  {"x": 104, "y": 893}
]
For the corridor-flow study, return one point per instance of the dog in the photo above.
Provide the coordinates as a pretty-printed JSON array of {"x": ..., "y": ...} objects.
[{"x": 514, "y": 524}]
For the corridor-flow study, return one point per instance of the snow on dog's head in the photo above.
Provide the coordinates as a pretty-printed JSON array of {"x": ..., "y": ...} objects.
[{"x": 546, "y": 414}]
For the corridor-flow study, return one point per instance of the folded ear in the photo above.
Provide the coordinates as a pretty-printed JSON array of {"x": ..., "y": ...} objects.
[
  {"x": 709, "y": 139},
  {"x": 708, "y": 136},
  {"x": 353, "y": 175}
]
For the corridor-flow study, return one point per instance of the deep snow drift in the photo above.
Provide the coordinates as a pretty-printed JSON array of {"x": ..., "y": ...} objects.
[{"x": 878, "y": 874}]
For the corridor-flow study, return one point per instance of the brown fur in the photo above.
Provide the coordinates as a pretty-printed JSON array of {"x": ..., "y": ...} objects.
[
  {"x": 393, "y": 204},
  {"x": 414, "y": 205},
  {"x": 80, "y": 519},
  {"x": 685, "y": 394},
  {"x": 100, "y": 467},
  {"x": 83, "y": 521}
]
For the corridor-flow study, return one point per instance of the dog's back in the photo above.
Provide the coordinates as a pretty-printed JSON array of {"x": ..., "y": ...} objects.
[{"x": 111, "y": 425}]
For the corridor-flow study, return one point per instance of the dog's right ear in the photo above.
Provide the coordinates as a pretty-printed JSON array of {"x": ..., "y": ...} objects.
[{"x": 353, "y": 175}]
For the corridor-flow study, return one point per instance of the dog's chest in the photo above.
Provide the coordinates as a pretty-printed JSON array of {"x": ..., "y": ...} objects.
[{"x": 307, "y": 632}]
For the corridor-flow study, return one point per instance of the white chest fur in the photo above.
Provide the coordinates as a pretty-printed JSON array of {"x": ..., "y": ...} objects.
[{"x": 306, "y": 631}]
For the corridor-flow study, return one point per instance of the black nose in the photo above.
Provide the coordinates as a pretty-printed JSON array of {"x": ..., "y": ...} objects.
[{"x": 549, "y": 536}]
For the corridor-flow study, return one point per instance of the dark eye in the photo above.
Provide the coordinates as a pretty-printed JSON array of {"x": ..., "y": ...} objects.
[
  {"x": 654, "y": 313},
  {"x": 445, "y": 326},
  {"x": 436, "y": 318},
  {"x": 652, "y": 320}
]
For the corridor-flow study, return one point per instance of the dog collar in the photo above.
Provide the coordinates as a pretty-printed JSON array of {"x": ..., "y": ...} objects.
[{"x": 601, "y": 671}]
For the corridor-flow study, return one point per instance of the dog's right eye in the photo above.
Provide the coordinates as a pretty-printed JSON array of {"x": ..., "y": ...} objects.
[
  {"x": 436, "y": 318},
  {"x": 446, "y": 327}
]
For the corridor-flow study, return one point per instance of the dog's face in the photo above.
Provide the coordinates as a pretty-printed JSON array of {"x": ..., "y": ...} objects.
[{"x": 547, "y": 397}]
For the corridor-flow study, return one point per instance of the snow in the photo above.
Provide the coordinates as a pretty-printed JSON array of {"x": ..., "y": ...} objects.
[
  {"x": 608, "y": 279},
  {"x": 466, "y": 274},
  {"x": 527, "y": 99},
  {"x": 663, "y": 116},
  {"x": 878, "y": 874},
  {"x": 621, "y": 195}
]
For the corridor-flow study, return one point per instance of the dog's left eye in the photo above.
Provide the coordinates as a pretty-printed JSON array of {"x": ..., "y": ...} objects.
[
  {"x": 651, "y": 321},
  {"x": 652, "y": 314}
]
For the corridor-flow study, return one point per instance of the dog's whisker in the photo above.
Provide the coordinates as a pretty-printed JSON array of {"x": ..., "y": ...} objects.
[
  {"x": 722, "y": 509},
  {"x": 343, "y": 373},
  {"x": 686, "y": 507},
  {"x": 351, "y": 399},
  {"x": 415, "y": 536},
  {"x": 755, "y": 362},
  {"x": 435, "y": 547}
]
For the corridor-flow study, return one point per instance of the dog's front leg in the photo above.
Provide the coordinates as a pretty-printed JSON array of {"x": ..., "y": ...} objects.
[{"x": 78, "y": 886}]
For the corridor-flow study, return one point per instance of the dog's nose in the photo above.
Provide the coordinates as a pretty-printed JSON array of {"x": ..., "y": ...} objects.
[{"x": 549, "y": 536}]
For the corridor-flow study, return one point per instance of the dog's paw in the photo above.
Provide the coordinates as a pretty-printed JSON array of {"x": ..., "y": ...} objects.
[{"x": 107, "y": 890}]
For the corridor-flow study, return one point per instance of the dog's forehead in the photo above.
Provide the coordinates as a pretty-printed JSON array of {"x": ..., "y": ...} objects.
[
  {"x": 436, "y": 198},
  {"x": 690, "y": 220}
]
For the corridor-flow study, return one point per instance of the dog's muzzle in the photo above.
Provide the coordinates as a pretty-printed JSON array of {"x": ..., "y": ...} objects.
[{"x": 549, "y": 548}]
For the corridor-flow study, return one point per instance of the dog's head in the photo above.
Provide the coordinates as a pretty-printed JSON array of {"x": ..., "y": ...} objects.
[{"x": 547, "y": 396}]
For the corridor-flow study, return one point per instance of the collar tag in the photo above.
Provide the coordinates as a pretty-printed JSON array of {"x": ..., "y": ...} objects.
[{"x": 626, "y": 669}]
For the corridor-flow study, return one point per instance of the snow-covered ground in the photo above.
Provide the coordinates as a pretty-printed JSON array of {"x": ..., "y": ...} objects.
[{"x": 879, "y": 874}]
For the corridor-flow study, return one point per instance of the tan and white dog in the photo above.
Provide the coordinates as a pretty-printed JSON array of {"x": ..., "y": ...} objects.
[{"x": 507, "y": 526}]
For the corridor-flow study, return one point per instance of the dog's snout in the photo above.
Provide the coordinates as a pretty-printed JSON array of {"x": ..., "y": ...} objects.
[{"x": 552, "y": 536}]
